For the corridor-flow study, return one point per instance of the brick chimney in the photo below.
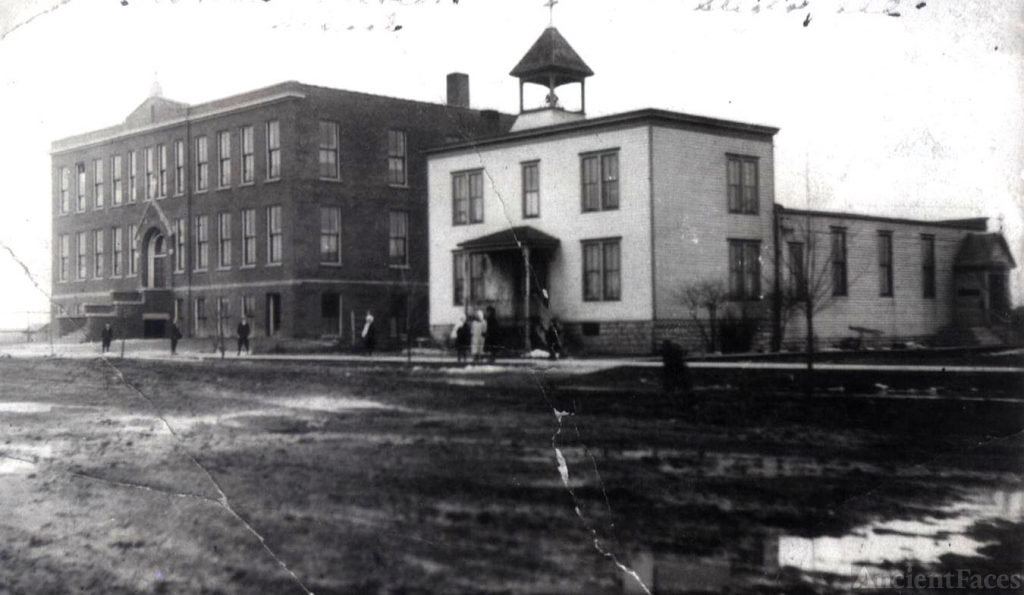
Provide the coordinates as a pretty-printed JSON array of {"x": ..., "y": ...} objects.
[{"x": 458, "y": 89}]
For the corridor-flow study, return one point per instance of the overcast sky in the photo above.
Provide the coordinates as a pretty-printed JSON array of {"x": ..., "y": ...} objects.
[{"x": 917, "y": 115}]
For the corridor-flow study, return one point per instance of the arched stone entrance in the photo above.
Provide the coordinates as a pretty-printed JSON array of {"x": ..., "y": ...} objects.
[{"x": 154, "y": 259}]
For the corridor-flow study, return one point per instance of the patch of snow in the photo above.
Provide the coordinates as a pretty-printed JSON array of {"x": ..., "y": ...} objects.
[{"x": 25, "y": 407}]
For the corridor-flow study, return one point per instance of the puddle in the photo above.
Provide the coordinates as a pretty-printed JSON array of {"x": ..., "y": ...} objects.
[
  {"x": 893, "y": 542},
  {"x": 25, "y": 407},
  {"x": 326, "y": 404},
  {"x": 12, "y": 466}
]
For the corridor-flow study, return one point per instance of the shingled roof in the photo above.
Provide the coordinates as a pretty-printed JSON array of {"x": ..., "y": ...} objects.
[
  {"x": 551, "y": 55},
  {"x": 984, "y": 250},
  {"x": 511, "y": 239}
]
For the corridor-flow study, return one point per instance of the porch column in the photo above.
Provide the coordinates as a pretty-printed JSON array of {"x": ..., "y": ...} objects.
[{"x": 526, "y": 298}]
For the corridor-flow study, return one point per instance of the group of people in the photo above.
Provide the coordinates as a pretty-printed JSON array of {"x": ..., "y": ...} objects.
[
  {"x": 242, "y": 331},
  {"x": 479, "y": 337}
]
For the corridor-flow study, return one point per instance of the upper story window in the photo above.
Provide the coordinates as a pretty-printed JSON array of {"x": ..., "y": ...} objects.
[
  {"x": 224, "y": 159},
  {"x": 224, "y": 239},
  {"x": 98, "y": 197},
  {"x": 745, "y": 269},
  {"x": 151, "y": 182},
  {"x": 202, "y": 243},
  {"x": 273, "y": 150},
  {"x": 885, "y": 287},
  {"x": 398, "y": 238},
  {"x": 274, "y": 234},
  {"x": 248, "y": 237},
  {"x": 248, "y": 156},
  {"x": 397, "y": 175},
  {"x": 467, "y": 197},
  {"x": 330, "y": 235},
  {"x": 742, "y": 182},
  {"x": 601, "y": 270},
  {"x": 65, "y": 190},
  {"x": 80, "y": 203},
  {"x": 928, "y": 266},
  {"x": 329, "y": 150},
  {"x": 133, "y": 171},
  {"x": 202, "y": 164},
  {"x": 65, "y": 257},
  {"x": 83, "y": 268},
  {"x": 179, "y": 167},
  {"x": 163, "y": 165},
  {"x": 117, "y": 185},
  {"x": 133, "y": 250},
  {"x": 98, "y": 254},
  {"x": 180, "y": 241},
  {"x": 117, "y": 249},
  {"x": 531, "y": 190},
  {"x": 600, "y": 181},
  {"x": 838, "y": 235}
]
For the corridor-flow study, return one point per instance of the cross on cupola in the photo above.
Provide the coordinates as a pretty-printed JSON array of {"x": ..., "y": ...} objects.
[
  {"x": 551, "y": 62},
  {"x": 551, "y": 7}
]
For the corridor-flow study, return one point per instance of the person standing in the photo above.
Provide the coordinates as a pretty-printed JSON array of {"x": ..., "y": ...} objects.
[
  {"x": 460, "y": 334},
  {"x": 478, "y": 332},
  {"x": 243, "y": 331},
  {"x": 175, "y": 337},
  {"x": 369, "y": 335},
  {"x": 107, "y": 337},
  {"x": 553, "y": 337}
]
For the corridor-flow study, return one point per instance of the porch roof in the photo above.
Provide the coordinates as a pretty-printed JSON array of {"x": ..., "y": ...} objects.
[
  {"x": 513, "y": 238},
  {"x": 984, "y": 250}
]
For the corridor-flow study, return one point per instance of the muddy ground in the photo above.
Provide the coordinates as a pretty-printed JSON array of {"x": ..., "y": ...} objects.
[{"x": 249, "y": 477}]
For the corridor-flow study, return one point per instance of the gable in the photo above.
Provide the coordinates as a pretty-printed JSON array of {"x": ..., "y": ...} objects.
[{"x": 155, "y": 109}]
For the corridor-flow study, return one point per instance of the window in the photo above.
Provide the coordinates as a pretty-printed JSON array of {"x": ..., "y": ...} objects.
[
  {"x": 274, "y": 234},
  {"x": 81, "y": 188},
  {"x": 248, "y": 237},
  {"x": 224, "y": 159},
  {"x": 459, "y": 278},
  {"x": 744, "y": 270},
  {"x": 180, "y": 238},
  {"x": 468, "y": 198},
  {"x": 248, "y": 156},
  {"x": 531, "y": 190},
  {"x": 329, "y": 150},
  {"x": 179, "y": 308},
  {"x": 477, "y": 279},
  {"x": 150, "y": 173},
  {"x": 396, "y": 158},
  {"x": 83, "y": 268},
  {"x": 273, "y": 150},
  {"x": 98, "y": 254},
  {"x": 248, "y": 306},
  {"x": 97, "y": 184},
  {"x": 202, "y": 164},
  {"x": 330, "y": 235},
  {"x": 162, "y": 183},
  {"x": 398, "y": 238},
  {"x": 133, "y": 169},
  {"x": 885, "y": 288},
  {"x": 179, "y": 167},
  {"x": 117, "y": 245},
  {"x": 600, "y": 181},
  {"x": 928, "y": 266},
  {"x": 202, "y": 243},
  {"x": 601, "y": 270},
  {"x": 65, "y": 190},
  {"x": 839, "y": 261},
  {"x": 133, "y": 250},
  {"x": 200, "y": 310},
  {"x": 224, "y": 236},
  {"x": 117, "y": 191},
  {"x": 797, "y": 283},
  {"x": 223, "y": 314},
  {"x": 742, "y": 182},
  {"x": 65, "y": 257}
]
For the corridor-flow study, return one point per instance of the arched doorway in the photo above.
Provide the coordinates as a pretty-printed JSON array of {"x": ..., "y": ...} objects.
[{"x": 154, "y": 259}]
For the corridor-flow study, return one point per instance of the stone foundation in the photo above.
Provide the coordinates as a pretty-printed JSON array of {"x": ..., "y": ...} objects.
[{"x": 619, "y": 338}]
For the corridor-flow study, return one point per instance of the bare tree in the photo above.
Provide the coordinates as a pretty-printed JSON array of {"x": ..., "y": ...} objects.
[{"x": 705, "y": 295}]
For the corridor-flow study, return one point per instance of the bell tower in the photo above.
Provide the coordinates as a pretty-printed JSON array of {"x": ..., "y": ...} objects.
[{"x": 551, "y": 63}]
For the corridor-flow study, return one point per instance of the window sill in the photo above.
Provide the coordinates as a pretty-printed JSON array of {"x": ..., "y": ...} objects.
[
  {"x": 398, "y": 266},
  {"x": 203, "y": 191},
  {"x": 274, "y": 264},
  {"x": 227, "y": 268},
  {"x": 331, "y": 180},
  {"x": 272, "y": 180},
  {"x": 331, "y": 264},
  {"x": 247, "y": 266},
  {"x": 247, "y": 184},
  {"x": 200, "y": 270},
  {"x": 400, "y": 186}
]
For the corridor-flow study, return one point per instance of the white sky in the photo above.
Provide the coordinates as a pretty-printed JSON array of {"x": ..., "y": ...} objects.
[{"x": 917, "y": 116}]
